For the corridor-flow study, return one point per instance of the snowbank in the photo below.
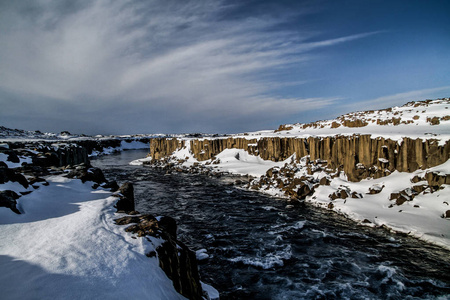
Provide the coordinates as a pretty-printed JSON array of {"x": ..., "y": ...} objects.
[{"x": 66, "y": 245}]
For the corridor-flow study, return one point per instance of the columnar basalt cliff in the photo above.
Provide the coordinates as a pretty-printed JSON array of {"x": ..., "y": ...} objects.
[
  {"x": 359, "y": 156},
  {"x": 162, "y": 147}
]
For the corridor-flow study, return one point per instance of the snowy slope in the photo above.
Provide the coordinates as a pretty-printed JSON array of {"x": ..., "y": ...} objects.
[
  {"x": 423, "y": 119},
  {"x": 66, "y": 246}
]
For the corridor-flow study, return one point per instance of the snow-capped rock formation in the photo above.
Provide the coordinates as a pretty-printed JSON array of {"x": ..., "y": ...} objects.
[{"x": 395, "y": 157}]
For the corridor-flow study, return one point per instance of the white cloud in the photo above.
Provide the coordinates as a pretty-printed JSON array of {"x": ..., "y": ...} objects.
[
  {"x": 402, "y": 98},
  {"x": 182, "y": 57}
]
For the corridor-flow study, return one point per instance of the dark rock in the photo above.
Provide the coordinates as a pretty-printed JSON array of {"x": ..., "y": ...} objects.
[
  {"x": 93, "y": 174},
  {"x": 419, "y": 188},
  {"x": 17, "y": 177},
  {"x": 344, "y": 194},
  {"x": 4, "y": 172},
  {"x": 33, "y": 180},
  {"x": 402, "y": 199},
  {"x": 169, "y": 225},
  {"x": 7, "y": 174},
  {"x": 180, "y": 265},
  {"x": 356, "y": 195},
  {"x": 340, "y": 193},
  {"x": 12, "y": 157},
  {"x": 111, "y": 185},
  {"x": 304, "y": 191},
  {"x": 394, "y": 196},
  {"x": 437, "y": 179},
  {"x": 447, "y": 214},
  {"x": 376, "y": 189},
  {"x": 84, "y": 173},
  {"x": 151, "y": 254},
  {"x": 416, "y": 179},
  {"x": 127, "y": 220},
  {"x": 177, "y": 261},
  {"x": 126, "y": 195},
  {"x": 8, "y": 199},
  {"x": 324, "y": 181}
]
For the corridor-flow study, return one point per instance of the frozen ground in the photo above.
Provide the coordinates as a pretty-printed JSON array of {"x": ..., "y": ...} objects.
[
  {"x": 414, "y": 122},
  {"x": 66, "y": 245}
]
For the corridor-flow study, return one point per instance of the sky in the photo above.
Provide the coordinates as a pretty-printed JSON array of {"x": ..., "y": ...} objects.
[{"x": 212, "y": 66}]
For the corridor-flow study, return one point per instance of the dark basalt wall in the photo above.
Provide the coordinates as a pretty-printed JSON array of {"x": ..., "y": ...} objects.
[{"x": 359, "y": 156}]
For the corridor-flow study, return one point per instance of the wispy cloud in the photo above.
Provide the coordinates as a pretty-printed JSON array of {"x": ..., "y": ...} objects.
[
  {"x": 402, "y": 98},
  {"x": 180, "y": 58}
]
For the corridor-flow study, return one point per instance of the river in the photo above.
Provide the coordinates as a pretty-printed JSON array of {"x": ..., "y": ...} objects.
[{"x": 260, "y": 249}]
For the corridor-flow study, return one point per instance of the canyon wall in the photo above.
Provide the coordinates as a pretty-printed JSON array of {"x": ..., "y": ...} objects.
[{"x": 359, "y": 156}]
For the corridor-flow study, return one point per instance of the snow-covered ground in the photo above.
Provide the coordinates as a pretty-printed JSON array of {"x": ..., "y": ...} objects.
[
  {"x": 66, "y": 245},
  {"x": 414, "y": 122}
]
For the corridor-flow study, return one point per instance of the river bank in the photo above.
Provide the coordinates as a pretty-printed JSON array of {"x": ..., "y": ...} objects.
[{"x": 61, "y": 235}]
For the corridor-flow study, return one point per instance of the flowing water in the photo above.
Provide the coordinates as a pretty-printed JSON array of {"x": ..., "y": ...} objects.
[{"x": 259, "y": 249}]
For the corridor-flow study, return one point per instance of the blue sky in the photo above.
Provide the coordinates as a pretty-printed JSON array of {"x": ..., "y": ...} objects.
[{"x": 117, "y": 67}]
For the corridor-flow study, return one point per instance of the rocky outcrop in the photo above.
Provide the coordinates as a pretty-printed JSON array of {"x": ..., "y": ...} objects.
[
  {"x": 176, "y": 259},
  {"x": 7, "y": 174},
  {"x": 126, "y": 198},
  {"x": 359, "y": 156},
  {"x": 8, "y": 200},
  {"x": 180, "y": 265},
  {"x": 162, "y": 147},
  {"x": 46, "y": 155}
]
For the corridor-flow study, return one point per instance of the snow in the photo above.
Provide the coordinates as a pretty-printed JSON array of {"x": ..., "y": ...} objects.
[
  {"x": 139, "y": 162},
  {"x": 66, "y": 245},
  {"x": 424, "y": 222},
  {"x": 417, "y": 128},
  {"x": 201, "y": 254},
  {"x": 213, "y": 294},
  {"x": 238, "y": 161}
]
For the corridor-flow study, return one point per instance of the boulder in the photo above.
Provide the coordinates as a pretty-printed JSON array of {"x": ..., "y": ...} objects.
[
  {"x": 111, "y": 185},
  {"x": 12, "y": 157},
  {"x": 4, "y": 172},
  {"x": 126, "y": 197},
  {"x": 84, "y": 173},
  {"x": 169, "y": 225},
  {"x": 375, "y": 189},
  {"x": 437, "y": 179},
  {"x": 304, "y": 190},
  {"x": 8, "y": 199},
  {"x": 447, "y": 214},
  {"x": 324, "y": 181}
]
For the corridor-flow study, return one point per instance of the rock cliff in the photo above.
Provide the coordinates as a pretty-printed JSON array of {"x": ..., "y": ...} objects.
[{"x": 359, "y": 156}]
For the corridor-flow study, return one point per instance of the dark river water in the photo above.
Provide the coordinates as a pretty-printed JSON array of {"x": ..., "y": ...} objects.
[{"x": 259, "y": 249}]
